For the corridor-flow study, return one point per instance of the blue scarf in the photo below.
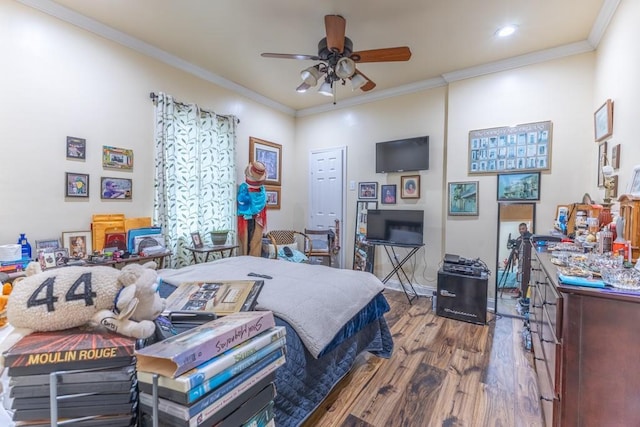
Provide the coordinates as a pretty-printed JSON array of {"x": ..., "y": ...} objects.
[{"x": 250, "y": 203}]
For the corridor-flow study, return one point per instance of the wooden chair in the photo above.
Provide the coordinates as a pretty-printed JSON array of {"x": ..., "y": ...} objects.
[
  {"x": 322, "y": 243},
  {"x": 289, "y": 237}
]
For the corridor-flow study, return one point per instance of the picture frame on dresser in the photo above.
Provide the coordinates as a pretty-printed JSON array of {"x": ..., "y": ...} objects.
[{"x": 78, "y": 243}]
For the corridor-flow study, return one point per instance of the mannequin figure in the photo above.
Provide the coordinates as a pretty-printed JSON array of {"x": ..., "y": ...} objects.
[{"x": 252, "y": 213}]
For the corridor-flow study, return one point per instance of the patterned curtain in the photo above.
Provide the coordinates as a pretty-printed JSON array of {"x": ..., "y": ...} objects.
[{"x": 195, "y": 175}]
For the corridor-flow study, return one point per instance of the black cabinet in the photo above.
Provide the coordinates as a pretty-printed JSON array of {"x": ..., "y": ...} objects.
[{"x": 462, "y": 297}]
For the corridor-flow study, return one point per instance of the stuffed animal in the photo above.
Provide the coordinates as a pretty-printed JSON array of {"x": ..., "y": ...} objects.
[
  {"x": 123, "y": 301},
  {"x": 4, "y": 299}
]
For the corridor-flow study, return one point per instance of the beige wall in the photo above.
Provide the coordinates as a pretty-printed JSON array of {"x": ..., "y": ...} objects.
[
  {"x": 58, "y": 81},
  {"x": 359, "y": 128},
  {"x": 559, "y": 91},
  {"x": 616, "y": 77}
]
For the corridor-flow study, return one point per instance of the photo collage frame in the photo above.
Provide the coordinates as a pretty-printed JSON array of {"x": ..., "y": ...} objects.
[{"x": 520, "y": 148}]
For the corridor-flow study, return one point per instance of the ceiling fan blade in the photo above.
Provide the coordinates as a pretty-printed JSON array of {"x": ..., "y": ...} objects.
[
  {"x": 402, "y": 53},
  {"x": 368, "y": 85},
  {"x": 335, "y": 26},
  {"x": 289, "y": 56}
]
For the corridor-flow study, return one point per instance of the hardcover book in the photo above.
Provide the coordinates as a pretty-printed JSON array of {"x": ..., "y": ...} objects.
[
  {"x": 221, "y": 297},
  {"x": 212, "y": 402},
  {"x": 200, "y": 374},
  {"x": 200, "y": 391},
  {"x": 92, "y": 376},
  {"x": 176, "y": 355},
  {"x": 263, "y": 390},
  {"x": 30, "y": 391},
  {"x": 69, "y": 349}
]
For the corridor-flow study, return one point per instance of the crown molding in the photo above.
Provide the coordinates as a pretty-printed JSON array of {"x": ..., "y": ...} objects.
[
  {"x": 74, "y": 18},
  {"x": 519, "y": 61},
  {"x": 602, "y": 22},
  {"x": 374, "y": 96}
]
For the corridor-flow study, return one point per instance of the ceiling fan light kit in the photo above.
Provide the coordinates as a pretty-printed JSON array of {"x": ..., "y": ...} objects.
[{"x": 337, "y": 60}]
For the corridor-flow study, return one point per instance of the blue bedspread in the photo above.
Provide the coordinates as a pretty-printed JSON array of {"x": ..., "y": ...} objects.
[{"x": 303, "y": 381}]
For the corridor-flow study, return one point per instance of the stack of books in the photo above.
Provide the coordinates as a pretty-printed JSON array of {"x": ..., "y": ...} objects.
[
  {"x": 219, "y": 373},
  {"x": 95, "y": 379}
]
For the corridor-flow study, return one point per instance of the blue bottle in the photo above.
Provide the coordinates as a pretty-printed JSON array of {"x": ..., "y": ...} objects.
[{"x": 26, "y": 246}]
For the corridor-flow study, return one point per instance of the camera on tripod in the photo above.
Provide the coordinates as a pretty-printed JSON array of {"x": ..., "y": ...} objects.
[{"x": 512, "y": 244}]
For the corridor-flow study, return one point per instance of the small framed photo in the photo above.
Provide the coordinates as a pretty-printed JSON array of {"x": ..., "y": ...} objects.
[
  {"x": 389, "y": 196},
  {"x": 367, "y": 190},
  {"x": 602, "y": 160},
  {"x": 47, "y": 259},
  {"x": 61, "y": 256},
  {"x": 603, "y": 121},
  {"x": 463, "y": 198},
  {"x": 47, "y": 244},
  {"x": 518, "y": 186},
  {"x": 117, "y": 158},
  {"x": 615, "y": 156},
  {"x": 410, "y": 187},
  {"x": 78, "y": 243},
  {"x": 269, "y": 154},
  {"x": 273, "y": 196},
  {"x": 76, "y": 148},
  {"x": 115, "y": 188},
  {"x": 196, "y": 240},
  {"x": 76, "y": 184}
]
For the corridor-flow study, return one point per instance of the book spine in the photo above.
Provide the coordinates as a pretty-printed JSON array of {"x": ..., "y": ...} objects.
[
  {"x": 216, "y": 406},
  {"x": 201, "y": 390},
  {"x": 200, "y": 344},
  {"x": 209, "y": 405},
  {"x": 201, "y": 373}
]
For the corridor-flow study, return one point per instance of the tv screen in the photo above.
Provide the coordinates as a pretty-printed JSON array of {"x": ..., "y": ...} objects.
[
  {"x": 403, "y": 155},
  {"x": 399, "y": 227}
]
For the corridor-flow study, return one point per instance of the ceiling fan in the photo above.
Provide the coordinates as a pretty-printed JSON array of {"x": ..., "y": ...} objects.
[{"x": 337, "y": 60}]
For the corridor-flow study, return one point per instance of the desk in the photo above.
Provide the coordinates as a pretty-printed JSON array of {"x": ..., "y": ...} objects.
[
  {"x": 211, "y": 249},
  {"x": 397, "y": 264}
]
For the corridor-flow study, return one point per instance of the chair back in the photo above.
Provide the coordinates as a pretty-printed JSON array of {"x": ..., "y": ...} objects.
[{"x": 289, "y": 237}]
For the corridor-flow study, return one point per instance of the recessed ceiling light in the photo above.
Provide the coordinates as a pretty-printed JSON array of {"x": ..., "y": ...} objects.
[{"x": 506, "y": 31}]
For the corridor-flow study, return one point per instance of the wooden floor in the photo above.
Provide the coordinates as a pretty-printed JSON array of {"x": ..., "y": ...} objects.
[{"x": 443, "y": 372}]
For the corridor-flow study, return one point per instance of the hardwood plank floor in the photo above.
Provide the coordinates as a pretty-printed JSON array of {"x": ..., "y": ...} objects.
[{"x": 443, "y": 372}]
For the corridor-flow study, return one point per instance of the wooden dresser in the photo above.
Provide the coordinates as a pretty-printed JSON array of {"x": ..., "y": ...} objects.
[{"x": 586, "y": 344}]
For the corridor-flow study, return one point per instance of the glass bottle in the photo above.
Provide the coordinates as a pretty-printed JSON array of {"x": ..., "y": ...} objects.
[{"x": 26, "y": 246}]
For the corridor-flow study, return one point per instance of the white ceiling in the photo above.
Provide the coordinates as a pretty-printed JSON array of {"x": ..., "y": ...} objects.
[{"x": 221, "y": 40}]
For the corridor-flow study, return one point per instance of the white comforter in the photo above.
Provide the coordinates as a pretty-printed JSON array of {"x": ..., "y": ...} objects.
[{"x": 315, "y": 300}]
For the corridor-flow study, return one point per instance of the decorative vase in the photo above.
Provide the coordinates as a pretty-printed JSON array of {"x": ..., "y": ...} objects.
[{"x": 219, "y": 237}]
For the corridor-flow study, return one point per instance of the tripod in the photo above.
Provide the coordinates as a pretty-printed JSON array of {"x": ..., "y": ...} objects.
[{"x": 508, "y": 268}]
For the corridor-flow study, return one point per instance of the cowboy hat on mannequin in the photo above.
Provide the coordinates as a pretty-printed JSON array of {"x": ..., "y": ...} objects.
[{"x": 252, "y": 213}]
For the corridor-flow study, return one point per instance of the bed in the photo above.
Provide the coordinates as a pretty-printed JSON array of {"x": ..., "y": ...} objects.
[{"x": 331, "y": 316}]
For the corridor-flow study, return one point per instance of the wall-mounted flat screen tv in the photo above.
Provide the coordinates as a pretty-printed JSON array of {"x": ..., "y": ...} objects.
[
  {"x": 394, "y": 226},
  {"x": 403, "y": 155}
]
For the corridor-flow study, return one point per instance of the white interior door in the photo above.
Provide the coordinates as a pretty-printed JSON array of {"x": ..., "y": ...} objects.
[{"x": 326, "y": 192}]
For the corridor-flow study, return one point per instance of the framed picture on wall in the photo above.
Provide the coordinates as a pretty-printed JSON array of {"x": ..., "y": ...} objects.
[
  {"x": 76, "y": 184},
  {"x": 603, "y": 121},
  {"x": 115, "y": 188},
  {"x": 367, "y": 190},
  {"x": 117, "y": 158},
  {"x": 602, "y": 159},
  {"x": 525, "y": 147},
  {"x": 410, "y": 187},
  {"x": 76, "y": 148},
  {"x": 388, "y": 196},
  {"x": 518, "y": 186},
  {"x": 270, "y": 155},
  {"x": 463, "y": 198},
  {"x": 273, "y": 196}
]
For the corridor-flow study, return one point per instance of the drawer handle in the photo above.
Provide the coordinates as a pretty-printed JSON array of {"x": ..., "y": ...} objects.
[
  {"x": 549, "y": 303},
  {"x": 546, "y": 398}
]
